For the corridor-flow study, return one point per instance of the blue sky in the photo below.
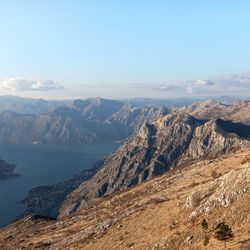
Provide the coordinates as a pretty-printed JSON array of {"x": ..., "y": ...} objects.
[{"x": 119, "y": 49}]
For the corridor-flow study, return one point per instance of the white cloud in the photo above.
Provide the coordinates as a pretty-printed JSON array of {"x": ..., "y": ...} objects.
[
  {"x": 203, "y": 83},
  {"x": 157, "y": 87},
  {"x": 28, "y": 84},
  {"x": 164, "y": 87}
]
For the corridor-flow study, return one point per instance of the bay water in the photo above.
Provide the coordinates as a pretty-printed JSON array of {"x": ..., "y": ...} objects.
[{"x": 41, "y": 164}]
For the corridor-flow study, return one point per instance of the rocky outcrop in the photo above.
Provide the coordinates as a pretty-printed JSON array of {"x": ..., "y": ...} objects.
[
  {"x": 222, "y": 192},
  {"x": 84, "y": 121},
  {"x": 7, "y": 170}
]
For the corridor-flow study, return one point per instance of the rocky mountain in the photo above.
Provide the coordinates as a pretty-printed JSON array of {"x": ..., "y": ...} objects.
[
  {"x": 165, "y": 212},
  {"x": 171, "y": 141},
  {"x": 7, "y": 170},
  {"x": 83, "y": 121}
]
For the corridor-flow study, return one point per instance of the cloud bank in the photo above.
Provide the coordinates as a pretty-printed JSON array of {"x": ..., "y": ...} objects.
[
  {"x": 203, "y": 83},
  {"x": 28, "y": 84}
]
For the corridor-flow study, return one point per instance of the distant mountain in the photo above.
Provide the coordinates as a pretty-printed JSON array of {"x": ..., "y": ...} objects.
[
  {"x": 174, "y": 102},
  {"x": 172, "y": 140},
  {"x": 180, "y": 102},
  {"x": 83, "y": 121},
  {"x": 28, "y": 105},
  {"x": 7, "y": 170}
]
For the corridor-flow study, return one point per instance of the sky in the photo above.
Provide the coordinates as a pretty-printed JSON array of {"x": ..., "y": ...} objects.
[{"x": 65, "y": 49}]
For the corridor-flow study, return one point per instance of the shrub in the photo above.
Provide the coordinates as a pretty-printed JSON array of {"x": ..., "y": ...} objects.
[
  {"x": 204, "y": 224},
  {"x": 224, "y": 232},
  {"x": 206, "y": 240}
]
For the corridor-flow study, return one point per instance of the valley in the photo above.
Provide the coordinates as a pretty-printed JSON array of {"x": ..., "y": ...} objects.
[{"x": 189, "y": 147}]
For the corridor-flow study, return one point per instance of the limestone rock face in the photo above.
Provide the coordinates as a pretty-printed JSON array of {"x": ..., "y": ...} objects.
[{"x": 223, "y": 191}]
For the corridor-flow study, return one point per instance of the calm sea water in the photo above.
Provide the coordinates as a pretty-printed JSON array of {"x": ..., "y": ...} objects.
[{"x": 43, "y": 165}]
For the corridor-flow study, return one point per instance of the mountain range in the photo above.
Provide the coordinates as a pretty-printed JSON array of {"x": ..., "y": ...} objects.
[
  {"x": 23, "y": 105},
  {"x": 173, "y": 140},
  {"x": 185, "y": 166},
  {"x": 82, "y": 121}
]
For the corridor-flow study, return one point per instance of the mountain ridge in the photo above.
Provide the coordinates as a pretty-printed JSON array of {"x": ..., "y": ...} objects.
[{"x": 173, "y": 140}]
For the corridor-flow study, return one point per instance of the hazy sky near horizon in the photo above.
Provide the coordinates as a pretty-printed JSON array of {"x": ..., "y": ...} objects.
[{"x": 124, "y": 49}]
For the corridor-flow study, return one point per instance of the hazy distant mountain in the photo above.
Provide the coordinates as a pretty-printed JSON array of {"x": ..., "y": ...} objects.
[
  {"x": 174, "y": 102},
  {"x": 28, "y": 105},
  {"x": 172, "y": 140},
  {"x": 180, "y": 102},
  {"x": 90, "y": 120}
]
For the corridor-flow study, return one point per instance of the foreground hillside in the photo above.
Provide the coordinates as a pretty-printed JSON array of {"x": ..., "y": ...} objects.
[{"x": 165, "y": 212}]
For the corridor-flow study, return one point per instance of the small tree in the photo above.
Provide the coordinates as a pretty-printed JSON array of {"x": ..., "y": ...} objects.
[
  {"x": 204, "y": 225},
  {"x": 224, "y": 233},
  {"x": 206, "y": 240}
]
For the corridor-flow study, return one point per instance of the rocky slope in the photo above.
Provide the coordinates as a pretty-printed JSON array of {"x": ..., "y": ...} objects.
[
  {"x": 171, "y": 141},
  {"x": 165, "y": 212},
  {"x": 7, "y": 170},
  {"x": 83, "y": 121}
]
